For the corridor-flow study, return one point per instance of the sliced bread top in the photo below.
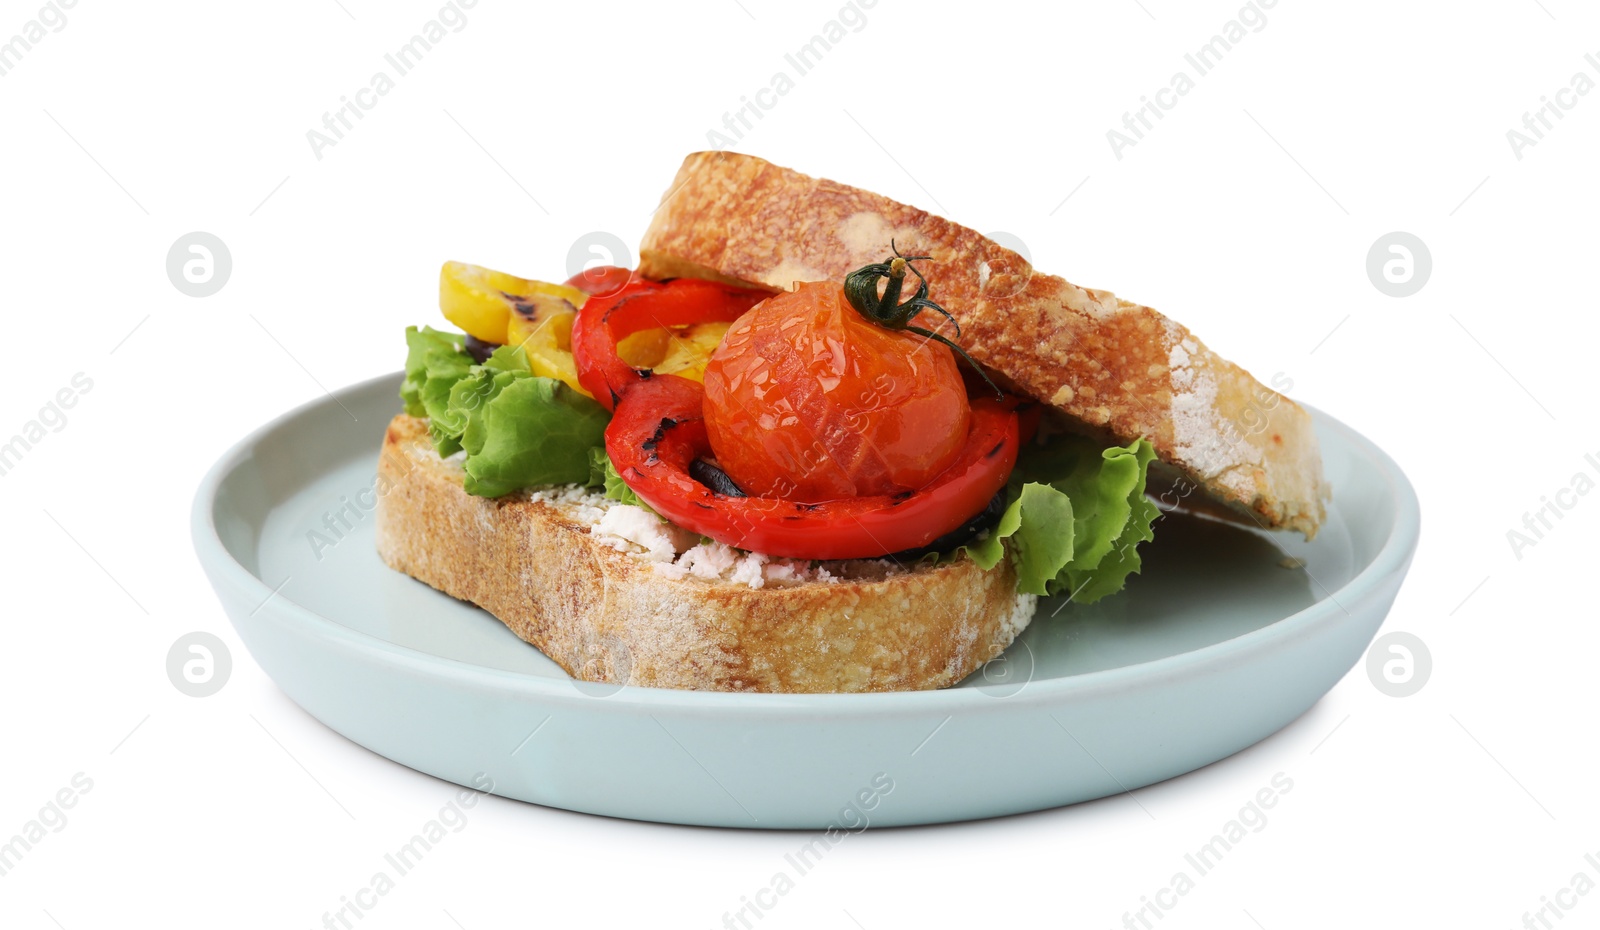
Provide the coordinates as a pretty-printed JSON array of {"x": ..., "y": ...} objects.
[{"x": 1116, "y": 368}]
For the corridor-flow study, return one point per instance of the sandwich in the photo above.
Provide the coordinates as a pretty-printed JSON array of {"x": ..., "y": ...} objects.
[{"x": 818, "y": 441}]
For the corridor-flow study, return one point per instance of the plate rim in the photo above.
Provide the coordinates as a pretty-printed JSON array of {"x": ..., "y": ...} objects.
[{"x": 1392, "y": 557}]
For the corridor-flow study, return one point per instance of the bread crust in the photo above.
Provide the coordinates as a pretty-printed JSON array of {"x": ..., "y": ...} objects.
[
  {"x": 1116, "y": 367},
  {"x": 606, "y": 615}
]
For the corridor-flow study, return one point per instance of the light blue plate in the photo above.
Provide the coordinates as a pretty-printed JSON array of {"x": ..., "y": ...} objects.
[{"x": 1214, "y": 647}]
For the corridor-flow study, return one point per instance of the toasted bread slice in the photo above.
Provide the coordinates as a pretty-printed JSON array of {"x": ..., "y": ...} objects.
[
  {"x": 1120, "y": 369},
  {"x": 610, "y": 610}
]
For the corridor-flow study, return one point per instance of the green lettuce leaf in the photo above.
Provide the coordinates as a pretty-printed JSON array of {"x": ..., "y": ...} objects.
[
  {"x": 1121, "y": 517},
  {"x": 989, "y": 550},
  {"x": 602, "y": 474},
  {"x": 1076, "y": 517},
  {"x": 434, "y": 365},
  {"x": 1037, "y": 529},
  {"x": 518, "y": 430},
  {"x": 599, "y": 468},
  {"x": 1038, "y": 544},
  {"x": 429, "y": 350},
  {"x": 470, "y": 391},
  {"x": 467, "y": 397},
  {"x": 508, "y": 358},
  {"x": 523, "y": 431}
]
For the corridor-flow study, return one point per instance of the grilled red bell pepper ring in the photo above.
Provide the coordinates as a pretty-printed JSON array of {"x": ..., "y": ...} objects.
[
  {"x": 659, "y": 431},
  {"x": 641, "y": 304},
  {"x": 602, "y": 280}
]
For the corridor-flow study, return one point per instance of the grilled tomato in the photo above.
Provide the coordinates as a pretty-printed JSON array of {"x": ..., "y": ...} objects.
[{"x": 807, "y": 400}]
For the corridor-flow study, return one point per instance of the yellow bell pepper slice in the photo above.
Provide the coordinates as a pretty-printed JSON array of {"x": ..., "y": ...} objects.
[
  {"x": 542, "y": 326},
  {"x": 690, "y": 349},
  {"x": 480, "y": 300}
]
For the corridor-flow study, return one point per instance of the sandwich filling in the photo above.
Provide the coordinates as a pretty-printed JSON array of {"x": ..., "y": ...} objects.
[{"x": 765, "y": 437}]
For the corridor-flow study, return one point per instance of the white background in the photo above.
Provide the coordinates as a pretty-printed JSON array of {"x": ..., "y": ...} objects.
[{"x": 1246, "y": 214}]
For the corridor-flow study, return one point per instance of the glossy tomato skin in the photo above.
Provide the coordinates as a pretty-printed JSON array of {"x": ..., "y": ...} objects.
[{"x": 807, "y": 401}]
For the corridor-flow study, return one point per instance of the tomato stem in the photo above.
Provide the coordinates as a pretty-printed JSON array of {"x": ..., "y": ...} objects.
[{"x": 861, "y": 290}]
